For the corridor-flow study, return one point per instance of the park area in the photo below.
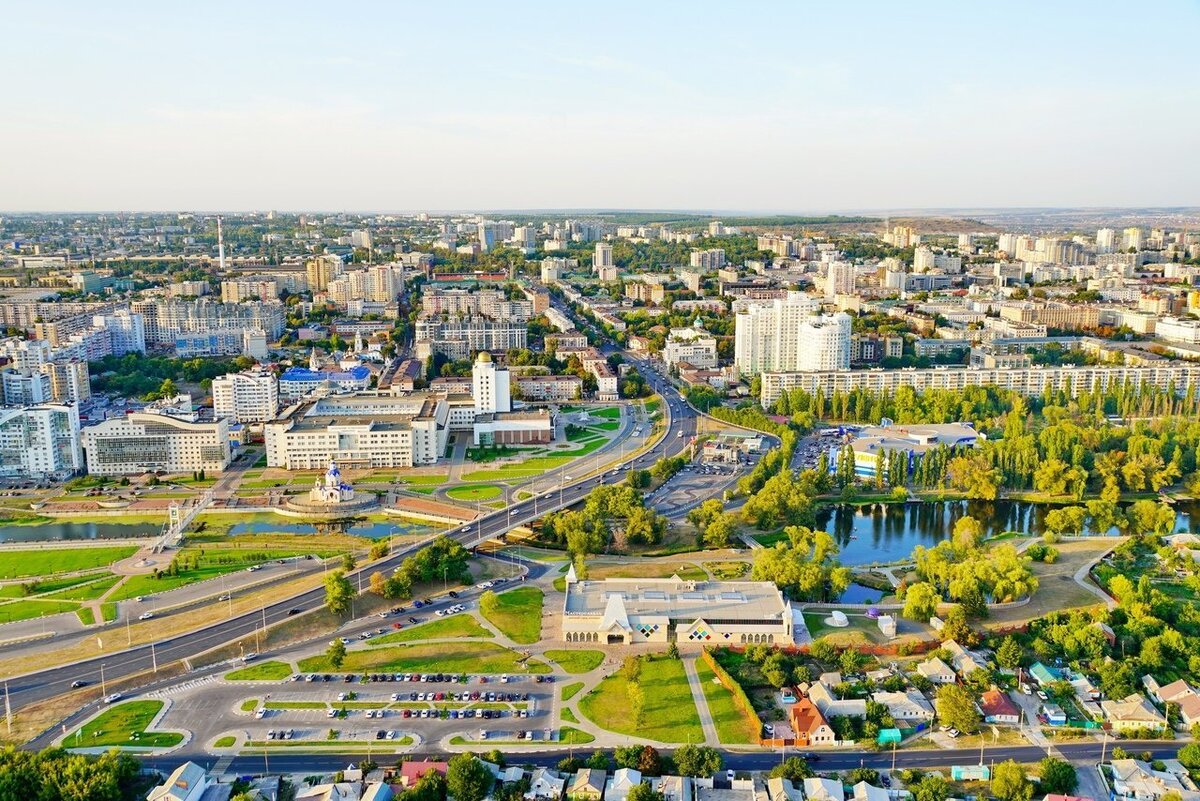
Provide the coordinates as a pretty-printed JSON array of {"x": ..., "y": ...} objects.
[
  {"x": 516, "y": 613},
  {"x": 444, "y": 657}
]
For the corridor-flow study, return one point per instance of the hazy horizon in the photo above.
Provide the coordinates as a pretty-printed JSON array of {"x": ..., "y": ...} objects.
[{"x": 670, "y": 107}]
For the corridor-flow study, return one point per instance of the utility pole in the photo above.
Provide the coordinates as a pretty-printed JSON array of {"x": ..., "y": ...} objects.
[
  {"x": 103, "y": 691},
  {"x": 153, "y": 658}
]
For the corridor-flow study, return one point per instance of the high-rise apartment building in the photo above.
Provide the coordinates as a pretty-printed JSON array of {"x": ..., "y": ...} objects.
[
  {"x": 40, "y": 440},
  {"x": 490, "y": 386},
  {"x": 603, "y": 256},
  {"x": 321, "y": 270},
  {"x": 839, "y": 279},
  {"x": 789, "y": 331},
  {"x": 1131, "y": 238},
  {"x": 1106, "y": 240},
  {"x": 248, "y": 397}
]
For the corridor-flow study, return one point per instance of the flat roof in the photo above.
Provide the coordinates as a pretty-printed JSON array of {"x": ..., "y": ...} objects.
[{"x": 676, "y": 598}]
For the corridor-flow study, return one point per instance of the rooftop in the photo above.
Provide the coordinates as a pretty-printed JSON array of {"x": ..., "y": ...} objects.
[{"x": 679, "y": 599}]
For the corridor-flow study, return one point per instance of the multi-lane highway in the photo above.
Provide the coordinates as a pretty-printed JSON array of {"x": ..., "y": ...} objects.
[{"x": 39, "y": 685}]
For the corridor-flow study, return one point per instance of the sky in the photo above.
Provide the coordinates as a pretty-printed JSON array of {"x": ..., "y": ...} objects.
[{"x": 743, "y": 106}]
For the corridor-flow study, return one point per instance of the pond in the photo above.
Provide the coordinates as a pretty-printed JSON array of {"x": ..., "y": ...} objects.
[
  {"x": 889, "y": 532},
  {"x": 71, "y": 530}
]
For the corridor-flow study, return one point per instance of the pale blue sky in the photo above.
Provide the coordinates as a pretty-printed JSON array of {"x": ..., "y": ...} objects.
[{"x": 749, "y": 106}]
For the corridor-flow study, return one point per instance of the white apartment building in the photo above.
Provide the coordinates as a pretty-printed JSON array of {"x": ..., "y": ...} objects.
[
  {"x": 248, "y": 397},
  {"x": 789, "y": 331},
  {"x": 707, "y": 260},
  {"x": 839, "y": 279},
  {"x": 603, "y": 257},
  {"x": 237, "y": 291},
  {"x": 144, "y": 442},
  {"x": 23, "y": 388},
  {"x": 26, "y": 354},
  {"x": 490, "y": 386},
  {"x": 40, "y": 440},
  {"x": 128, "y": 330},
  {"x": 695, "y": 346}
]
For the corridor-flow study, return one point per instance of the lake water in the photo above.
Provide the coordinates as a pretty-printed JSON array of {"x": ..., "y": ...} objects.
[
  {"x": 889, "y": 532},
  {"x": 77, "y": 531},
  {"x": 117, "y": 530}
]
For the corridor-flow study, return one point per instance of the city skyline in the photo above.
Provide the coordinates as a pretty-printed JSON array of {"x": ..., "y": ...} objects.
[{"x": 669, "y": 107}]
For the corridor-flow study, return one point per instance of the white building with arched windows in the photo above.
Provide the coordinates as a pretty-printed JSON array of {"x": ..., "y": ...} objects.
[{"x": 644, "y": 610}]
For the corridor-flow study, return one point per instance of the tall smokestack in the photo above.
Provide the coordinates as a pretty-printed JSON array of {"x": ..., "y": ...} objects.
[{"x": 220, "y": 247}]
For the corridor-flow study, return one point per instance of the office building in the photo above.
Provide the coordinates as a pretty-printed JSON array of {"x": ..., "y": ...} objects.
[
  {"x": 156, "y": 441},
  {"x": 248, "y": 397},
  {"x": 789, "y": 331}
]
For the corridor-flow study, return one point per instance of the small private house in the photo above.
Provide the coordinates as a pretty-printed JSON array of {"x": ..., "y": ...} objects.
[
  {"x": 962, "y": 660},
  {"x": 620, "y": 783},
  {"x": 937, "y": 671},
  {"x": 545, "y": 785},
  {"x": 189, "y": 782},
  {"x": 1043, "y": 674},
  {"x": 833, "y": 707},
  {"x": 999, "y": 708},
  {"x": 1131, "y": 713},
  {"x": 869, "y": 792},
  {"x": 818, "y": 789},
  {"x": 809, "y": 724},
  {"x": 909, "y": 706},
  {"x": 673, "y": 788},
  {"x": 411, "y": 772},
  {"x": 588, "y": 785},
  {"x": 779, "y": 789},
  {"x": 1135, "y": 780},
  {"x": 1054, "y": 714}
]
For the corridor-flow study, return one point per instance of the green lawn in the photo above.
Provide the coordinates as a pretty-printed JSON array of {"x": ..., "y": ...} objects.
[
  {"x": 249, "y": 705},
  {"x": 568, "y": 735},
  {"x": 87, "y": 592},
  {"x": 733, "y": 727},
  {"x": 25, "y": 610},
  {"x": 86, "y": 616},
  {"x": 149, "y": 585},
  {"x": 109, "y": 612},
  {"x": 569, "y": 691},
  {"x": 118, "y": 724},
  {"x": 611, "y": 412},
  {"x": 567, "y": 715},
  {"x": 443, "y": 657},
  {"x": 535, "y": 466},
  {"x": 48, "y": 561},
  {"x": 445, "y": 628},
  {"x": 517, "y": 613},
  {"x": 49, "y": 586},
  {"x": 577, "y": 661},
  {"x": 474, "y": 492},
  {"x": 224, "y": 742},
  {"x": 434, "y": 480},
  {"x": 607, "y": 425},
  {"x": 669, "y": 715},
  {"x": 263, "y": 671}
]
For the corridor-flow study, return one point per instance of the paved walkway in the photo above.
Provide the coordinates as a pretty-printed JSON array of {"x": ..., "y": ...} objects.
[{"x": 706, "y": 721}]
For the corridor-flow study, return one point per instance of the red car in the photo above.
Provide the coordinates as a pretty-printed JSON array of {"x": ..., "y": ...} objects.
[{"x": 397, "y": 625}]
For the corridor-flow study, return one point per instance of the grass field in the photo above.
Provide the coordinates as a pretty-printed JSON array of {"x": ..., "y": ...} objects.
[
  {"x": 609, "y": 412},
  {"x": 726, "y": 571},
  {"x": 445, "y": 628},
  {"x": 669, "y": 715},
  {"x": 148, "y": 584},
  {"x": 125, "y": 724},
  {"x": 86, "y": 592},
  {"x": 86, "y": 616},
  {"x": 224, "y": 742},
  {"x": 568, "y": 735},
  {"x": 109, "y": 612},
  {"x": 647, "y": 568},
  {"x": 1057, "y": 588},
  {"x": 577, "y": 661},
  {"x": 535, "y": 466},
  {"x": 49, "y": 561},
  {"x": 567, "y": 715},
  {"x": 249, "y": 705},
  {"x": 571, "y": 690},
  {"x": 424, "y": 480},
  {"x": 517, "y": 613},
  {"x": 474, "y": 492},
  {"x": 443, "y": 657},
  {"x": 733, "y": 726},
  {"x": 263, "y": 671},
  {"x": 26, "y": 610}
]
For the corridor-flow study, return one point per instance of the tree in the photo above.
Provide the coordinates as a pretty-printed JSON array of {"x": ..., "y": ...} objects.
[
  {"x": 930, "y": 788},
  {"x": 1189, "y": 756},
  {"x": 348, "y": 562},
  {"x": 336, "y": 653},
  {"x": 1009, "y": 782},
  {"x": 793, "y": 768},
  {"x": 644, "y": 792},
  {"x": 649, "y": 761},
  {"x": 379, "y": 584},
  {"x": 467, "y": 779},
  {"x": 636, "y": 699},
  {"x": 339, "y": 595},
  {"x": 956, "y": 708},
  {"x": 1008, "y": 654},
  {"x": 805, "y": 566},
  {"x": 380, "y": 549},
  {"x": 921, "y": 601},
  {"x": 968, "y": 533},
  {"x": 974, "y": 475},
  {"x": 697, "y": 760},
  {"x": 1057, "y": 776}
]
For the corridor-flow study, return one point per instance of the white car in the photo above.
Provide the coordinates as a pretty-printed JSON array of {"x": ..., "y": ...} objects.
[
  {"x": 261, "y": 713},
  {"x": 341, "y": 696},
  {"x": 331, "y": 713},
  {"x": 145, "y": 615},
  {"x": 112, "y": 699}
]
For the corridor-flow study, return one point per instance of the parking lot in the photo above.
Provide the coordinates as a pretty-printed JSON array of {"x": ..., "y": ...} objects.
[{"x": 692, "y": 486}]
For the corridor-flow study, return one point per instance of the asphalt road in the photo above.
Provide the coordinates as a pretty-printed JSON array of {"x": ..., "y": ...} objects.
[
  {"x": 36, "y": 686},
  {"x": 1088, "y": 752}
]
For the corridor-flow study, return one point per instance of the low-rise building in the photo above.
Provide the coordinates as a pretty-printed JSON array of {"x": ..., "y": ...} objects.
[
  {"x": 552, "y": 388},
  {"x": 809, "y": 725},
  {"x": 1133, "y": 712},
  {"x": 626, "y": 611},
  {"x": 820, "y": 789},
  {"x": 587, "y": 785},
  {"x": 909, "y": 705},
  {"x": 937, "y": 671},
  {"x": 997, "y": 707}
]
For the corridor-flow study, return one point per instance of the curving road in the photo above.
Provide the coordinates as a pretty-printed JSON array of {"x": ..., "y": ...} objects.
[{"x": 39, "y": 685}]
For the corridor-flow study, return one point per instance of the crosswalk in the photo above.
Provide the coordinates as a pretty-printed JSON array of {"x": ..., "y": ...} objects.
[
  {"x": 178, "y": 688},
  {"x": 222, "y": 765}
]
